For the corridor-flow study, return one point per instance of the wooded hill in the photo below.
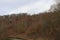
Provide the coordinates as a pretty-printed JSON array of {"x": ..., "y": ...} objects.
[{"x": 42, "y": 26}]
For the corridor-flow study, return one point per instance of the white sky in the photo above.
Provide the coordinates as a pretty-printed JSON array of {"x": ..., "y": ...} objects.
[{"x": 24, "y": 6}]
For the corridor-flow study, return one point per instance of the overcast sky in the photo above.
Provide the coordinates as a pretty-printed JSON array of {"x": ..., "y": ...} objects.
[{"x": 22, "y": 6}]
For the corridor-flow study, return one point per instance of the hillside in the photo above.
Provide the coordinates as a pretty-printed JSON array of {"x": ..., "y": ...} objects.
[{"x": 42, "y": 26}]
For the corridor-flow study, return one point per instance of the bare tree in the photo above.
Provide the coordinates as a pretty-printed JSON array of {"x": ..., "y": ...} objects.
[{"x": 55, "y": 7}]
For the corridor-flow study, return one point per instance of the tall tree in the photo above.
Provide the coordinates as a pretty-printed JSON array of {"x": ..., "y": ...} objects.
[{"x": 56, "y": 7}]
